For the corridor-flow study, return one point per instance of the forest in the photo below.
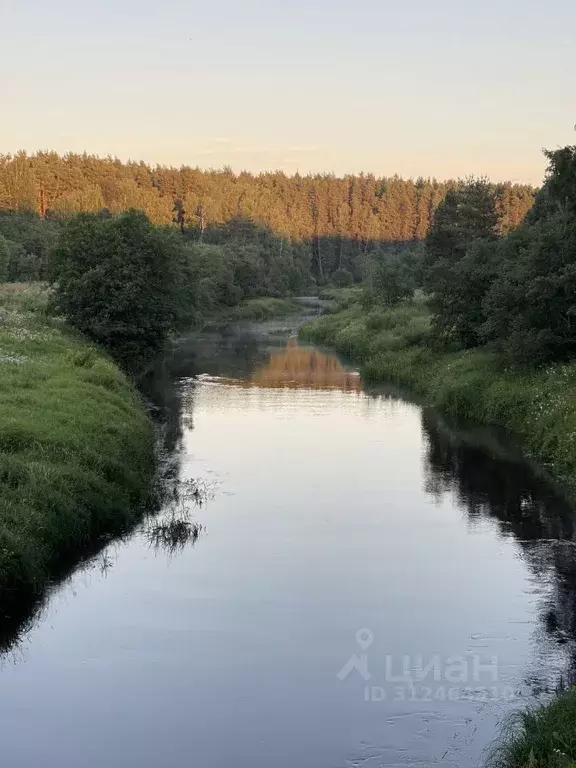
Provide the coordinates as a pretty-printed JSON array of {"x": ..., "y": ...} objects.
[
  {"x": 513, "y": 293},
  {"x": 332, "y": 222},
  {"x": 516, "y": 293}
]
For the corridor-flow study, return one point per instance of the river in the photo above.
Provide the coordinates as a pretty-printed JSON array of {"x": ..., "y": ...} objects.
[{"x": 352, "y": 582}]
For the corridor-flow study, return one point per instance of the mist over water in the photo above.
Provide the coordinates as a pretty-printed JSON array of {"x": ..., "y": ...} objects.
[{"x": 349, "y": 581}]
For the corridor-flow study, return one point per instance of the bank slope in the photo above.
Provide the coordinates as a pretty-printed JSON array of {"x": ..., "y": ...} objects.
[{"x": 76, "y": 447}]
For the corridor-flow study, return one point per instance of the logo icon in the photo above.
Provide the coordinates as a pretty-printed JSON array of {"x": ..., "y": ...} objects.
[{"x": 364, "y": 638}]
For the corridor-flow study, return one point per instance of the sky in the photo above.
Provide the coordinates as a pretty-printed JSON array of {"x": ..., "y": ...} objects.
[{"x": 441, "y": 88}]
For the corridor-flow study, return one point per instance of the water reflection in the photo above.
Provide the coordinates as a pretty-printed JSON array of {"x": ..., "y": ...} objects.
[
  {"x": 173, "y": 535},
  {"x": 307, "y": 368},
  {"x": 175, "y": 527},
  {"x": 491, "y": 480},
  {"x": 493, "y": 484},
  {"x": 296, "y": 367},
  {"x": 224, "y": 352}
]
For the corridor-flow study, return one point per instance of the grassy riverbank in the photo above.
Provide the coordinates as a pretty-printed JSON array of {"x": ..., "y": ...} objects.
[
  {"x": 76, "y": 446},
  {"x": 391, "y": 345},
  {"x": 254, "y": 310},
  {"x": 259, "y": 310},
  {"x": 341, "y": 298}
]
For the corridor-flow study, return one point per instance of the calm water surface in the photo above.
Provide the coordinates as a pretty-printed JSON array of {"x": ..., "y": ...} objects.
[{"x": 350, "y": 538}]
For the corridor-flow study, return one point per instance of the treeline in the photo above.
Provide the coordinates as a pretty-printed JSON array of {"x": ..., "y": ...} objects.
[
  {"x": 515, "y": 293},
  {"x": 339, "y": 220},
  {"x": 242, "y": 259}
]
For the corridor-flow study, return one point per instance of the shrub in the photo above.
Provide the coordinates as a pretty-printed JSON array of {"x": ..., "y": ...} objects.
[
  {"x": 117, "y": 280},
  {"x": 341, "y": 278}
]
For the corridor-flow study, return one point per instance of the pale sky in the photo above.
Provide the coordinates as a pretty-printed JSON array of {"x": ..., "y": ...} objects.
[{"x": 415, "y": 87}]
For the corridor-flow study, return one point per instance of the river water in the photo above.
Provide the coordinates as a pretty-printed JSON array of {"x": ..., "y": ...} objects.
[{"x": 367, "y": 586}]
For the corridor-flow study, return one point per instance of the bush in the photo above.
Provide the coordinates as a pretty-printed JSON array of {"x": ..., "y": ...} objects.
[
  {"x": 341, "y": 278},
  {"x": 118, "y": 281}
]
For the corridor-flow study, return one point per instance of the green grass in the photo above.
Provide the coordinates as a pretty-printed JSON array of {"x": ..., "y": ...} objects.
[
  {"x": 76, "y": 446},
  {"x": 258, "y": 310},
  {"x": 539, "y": 738},
  {"x": 341, "y": 298}
]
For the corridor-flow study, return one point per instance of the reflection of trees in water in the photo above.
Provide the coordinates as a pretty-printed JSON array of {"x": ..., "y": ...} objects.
[
  {"x": 303, "y": 367},
  {"x": 491, "y": 483},
  {"x": 224, "y": 352},
  {"x": 164, "y": 394}
]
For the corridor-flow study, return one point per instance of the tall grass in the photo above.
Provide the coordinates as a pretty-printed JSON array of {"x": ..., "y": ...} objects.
[
  {"x": 76, "y": 446},
  {"x": 544, "y": 737}
]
